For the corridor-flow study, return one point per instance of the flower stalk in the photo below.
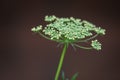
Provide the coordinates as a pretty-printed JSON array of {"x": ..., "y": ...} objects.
[{"x": 61, "y": 62}]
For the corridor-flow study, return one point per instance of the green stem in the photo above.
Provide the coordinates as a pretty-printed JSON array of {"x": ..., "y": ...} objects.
[
  {"x": 91, "y": 38},
  {"x": 82, "y": 47},
  {"x": 88, "y": 38},
  {"x": 61, "y": 62},
  {"x": 44, "y": 36}
]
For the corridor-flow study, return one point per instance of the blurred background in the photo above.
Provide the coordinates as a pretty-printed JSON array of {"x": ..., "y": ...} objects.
[{"x": 27, "y": 56}]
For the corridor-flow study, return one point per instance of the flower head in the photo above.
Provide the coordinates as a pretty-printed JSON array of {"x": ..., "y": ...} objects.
[
  {"x": 96, "y": 45},
  {"x": 69, "y": 30}
]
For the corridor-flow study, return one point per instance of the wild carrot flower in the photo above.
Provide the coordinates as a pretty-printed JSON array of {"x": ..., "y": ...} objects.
[{"x": 69, "y": 31}]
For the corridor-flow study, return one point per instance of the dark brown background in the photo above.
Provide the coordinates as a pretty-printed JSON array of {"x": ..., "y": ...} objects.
[{"x": 26, "y": 56}]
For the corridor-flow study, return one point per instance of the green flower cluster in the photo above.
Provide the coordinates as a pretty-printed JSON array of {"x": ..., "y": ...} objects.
[
  {"x": 70, "y": 30},
  {"x": 96, "y": 45},
  {"x": 37, "y": 29}
]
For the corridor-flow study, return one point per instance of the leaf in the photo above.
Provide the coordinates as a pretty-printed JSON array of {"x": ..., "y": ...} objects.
[
  {"x": 74, "y": 76},
  {"x": 63, "y": 75}
]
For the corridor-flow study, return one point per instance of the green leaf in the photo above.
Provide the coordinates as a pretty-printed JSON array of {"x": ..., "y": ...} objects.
[
  {"x": 74, "y": 76},
  {"x": 63, "y": 75}
]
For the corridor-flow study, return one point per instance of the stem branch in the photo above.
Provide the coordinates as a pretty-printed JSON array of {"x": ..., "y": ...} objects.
[
  {"x": 82, "y": 47},
  {"x": 48, "y": 37},
  {"x": 88, "y": 38}
]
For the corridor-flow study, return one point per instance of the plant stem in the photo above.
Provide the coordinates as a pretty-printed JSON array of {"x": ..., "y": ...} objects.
[{"x": 61, "y": 62}]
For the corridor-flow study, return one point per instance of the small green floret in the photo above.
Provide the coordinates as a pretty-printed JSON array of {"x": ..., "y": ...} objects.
[
  {"x": 50, "y": 18},
  {"x": 100, "y": 31},
  {"x": 96, "y": 45},
  {"x": 37, "y": 28}
]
